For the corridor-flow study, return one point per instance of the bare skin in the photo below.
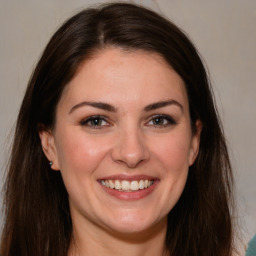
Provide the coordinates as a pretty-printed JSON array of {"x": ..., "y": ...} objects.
[
  {"x": 122, "y": 121},
  {"x": 120, "y": 244}
]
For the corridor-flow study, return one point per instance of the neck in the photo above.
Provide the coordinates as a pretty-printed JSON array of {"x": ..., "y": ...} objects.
[{"x": 98, "y": 241}]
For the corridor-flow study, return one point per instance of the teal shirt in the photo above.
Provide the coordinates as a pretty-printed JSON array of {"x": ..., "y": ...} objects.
[{"x": 251, "y": 250}]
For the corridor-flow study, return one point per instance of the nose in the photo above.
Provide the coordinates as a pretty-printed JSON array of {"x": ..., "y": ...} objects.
[{"x": 130, "y": 149}]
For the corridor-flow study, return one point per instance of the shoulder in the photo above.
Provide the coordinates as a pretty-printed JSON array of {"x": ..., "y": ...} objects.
[{"x": 251, "y": 250}]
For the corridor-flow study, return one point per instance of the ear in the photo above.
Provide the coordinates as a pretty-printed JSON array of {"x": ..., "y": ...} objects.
[
  {"x": 49, "y": 148},
  {"x": 195, "y": 143}
]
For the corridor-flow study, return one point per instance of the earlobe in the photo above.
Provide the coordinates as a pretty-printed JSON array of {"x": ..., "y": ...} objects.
[
  {"x": 49, "y": 148},
  {"x": 195, "y": 143}
]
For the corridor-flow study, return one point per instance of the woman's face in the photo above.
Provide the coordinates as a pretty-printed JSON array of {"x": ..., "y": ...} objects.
[{"x": 122, "y": 141}]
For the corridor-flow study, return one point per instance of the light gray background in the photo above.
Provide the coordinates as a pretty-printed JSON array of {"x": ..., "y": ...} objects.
[{"x": 223, "y": 31}]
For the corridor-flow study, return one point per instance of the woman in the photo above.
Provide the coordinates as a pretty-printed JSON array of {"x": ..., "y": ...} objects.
[{"x": 118, "y": 148}]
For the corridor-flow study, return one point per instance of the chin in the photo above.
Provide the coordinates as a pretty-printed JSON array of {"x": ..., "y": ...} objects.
[{"x": 128, "y": 223}]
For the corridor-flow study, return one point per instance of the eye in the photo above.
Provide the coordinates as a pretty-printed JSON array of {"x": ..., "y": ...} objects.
[
  {"x": 95, "y": 122},
  {"x": 161, "y": 121}
]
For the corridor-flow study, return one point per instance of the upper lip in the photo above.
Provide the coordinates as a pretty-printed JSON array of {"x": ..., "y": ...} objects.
[{"x": 128, "y": 177}]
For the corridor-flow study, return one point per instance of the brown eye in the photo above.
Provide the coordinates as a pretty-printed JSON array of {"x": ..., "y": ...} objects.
[
  {"x": 94, "y": 122},
  {"x": 159, "y": 121},
  {"x": 162, "y": 120}
]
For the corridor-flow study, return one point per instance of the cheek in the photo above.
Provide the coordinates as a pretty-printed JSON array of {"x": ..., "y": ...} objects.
[
  {"x": 78, "y": 153},
  {"x": 173, "y": 152},
  {"x": 172, "y": 155}
]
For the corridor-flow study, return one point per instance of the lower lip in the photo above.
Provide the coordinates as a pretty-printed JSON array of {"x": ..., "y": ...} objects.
[{"x": 130, "y": 196}]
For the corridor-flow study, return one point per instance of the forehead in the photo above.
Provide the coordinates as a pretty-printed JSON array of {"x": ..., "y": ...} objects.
[{"x": 116, "y": 75}]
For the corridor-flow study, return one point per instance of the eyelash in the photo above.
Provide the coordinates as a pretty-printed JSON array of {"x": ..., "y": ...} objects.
[
  {"x": 165, "y": 121},
  {"x": 88, "y": 122},
  {"x": 168, "y": 120}
]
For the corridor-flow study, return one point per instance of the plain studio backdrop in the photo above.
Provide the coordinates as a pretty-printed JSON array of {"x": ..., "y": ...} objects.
[{"x": 224, "y": 33}]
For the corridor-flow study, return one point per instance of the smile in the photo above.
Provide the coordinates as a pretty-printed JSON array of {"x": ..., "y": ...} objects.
[{"x": 127, "y": 186}]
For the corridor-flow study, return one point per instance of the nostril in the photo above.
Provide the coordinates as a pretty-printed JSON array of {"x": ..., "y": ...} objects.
[
  {"x": 129, "y": 163},
  {"x": 131, "y": 158},
  {"x": 130, "y": 148}
]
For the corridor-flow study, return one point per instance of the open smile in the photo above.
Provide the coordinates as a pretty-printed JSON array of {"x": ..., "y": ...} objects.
[{"x": 127, "y": 186}]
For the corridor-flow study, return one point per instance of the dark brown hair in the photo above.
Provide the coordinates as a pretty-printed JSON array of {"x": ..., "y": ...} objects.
[{"x": 37, "y": 217}]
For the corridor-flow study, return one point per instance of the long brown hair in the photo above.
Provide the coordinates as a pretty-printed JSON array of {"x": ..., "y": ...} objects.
[{"x": 37, "y": 217}]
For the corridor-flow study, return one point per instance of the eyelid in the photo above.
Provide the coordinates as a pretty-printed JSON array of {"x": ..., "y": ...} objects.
[
  {"x": 170, "y": 120},
  {"x": 85, "y": 121}
]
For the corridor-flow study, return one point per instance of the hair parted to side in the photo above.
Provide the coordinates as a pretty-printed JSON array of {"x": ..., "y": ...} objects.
[{"x": 37, "y": 217}]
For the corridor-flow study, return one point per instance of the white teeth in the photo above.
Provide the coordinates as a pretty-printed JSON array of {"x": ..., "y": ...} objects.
[
  {"x": 134, "y": 185},
  {"x": 141, "y": 184},
  {"x": 126, "y": 185},
  {"x": 111, "y": 184},
  {"x": 118, "y": 184}
]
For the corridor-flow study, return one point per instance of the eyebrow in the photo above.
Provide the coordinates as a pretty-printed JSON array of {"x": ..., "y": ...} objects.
[
  {"x": 100, "y": 105},
  {"x": 110, "y": 108},
  {"x": 162, "y": 104}
]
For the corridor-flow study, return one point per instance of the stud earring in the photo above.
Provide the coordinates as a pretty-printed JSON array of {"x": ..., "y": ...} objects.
[{"x": 50, "y": 163}]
